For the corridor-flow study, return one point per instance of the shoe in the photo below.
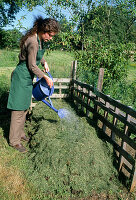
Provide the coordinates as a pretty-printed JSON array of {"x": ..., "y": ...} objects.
[
  {"x": 20, "y": 148},
  {"x": 24, "y": 138}
]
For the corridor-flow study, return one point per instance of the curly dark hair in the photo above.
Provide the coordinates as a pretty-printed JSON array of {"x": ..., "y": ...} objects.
[{"x": 47, "y": 25}]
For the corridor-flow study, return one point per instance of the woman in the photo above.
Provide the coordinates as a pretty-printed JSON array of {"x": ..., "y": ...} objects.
[{"x": 31, "y": 54}]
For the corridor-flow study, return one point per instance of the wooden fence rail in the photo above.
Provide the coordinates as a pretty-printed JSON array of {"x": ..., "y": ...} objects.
[
  {"x": 116, "y": 120},
  {"x": 61, "y": 89},
  {"x": 61, "y": 85}
]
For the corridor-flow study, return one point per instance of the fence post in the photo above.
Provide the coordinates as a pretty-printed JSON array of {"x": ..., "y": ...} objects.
[
  {"x": 115, "y": 122},
  {"x": 73, "y": 76},
  {"x": 88, "y": 102},
  {"x": 133, "y": 184},
  {"x": 83, "y": 98},
  {"x": 78, "y": 94},
  {"x": 123, "y": 144},
  {"x": 60, "y": 90},
  {"x": 100, "y": 79},
  {"x": 99, "y": 87},
  {"x": 106, "y": 115},
  {"x": 74, "y": 69}
]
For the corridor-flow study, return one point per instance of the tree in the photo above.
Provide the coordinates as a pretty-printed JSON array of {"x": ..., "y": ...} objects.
[
  {"x": 109, "y": 23},
  {"x": 9, "y": 8},
  {"x": 10, "y": 38},
  {"x": 105, "y": 19}
]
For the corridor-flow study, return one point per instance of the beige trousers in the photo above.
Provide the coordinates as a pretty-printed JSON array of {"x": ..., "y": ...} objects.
[{"x": 17, "y": 126}]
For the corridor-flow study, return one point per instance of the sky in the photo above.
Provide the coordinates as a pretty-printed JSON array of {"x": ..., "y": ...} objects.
[{"x": 27, "y": 21}]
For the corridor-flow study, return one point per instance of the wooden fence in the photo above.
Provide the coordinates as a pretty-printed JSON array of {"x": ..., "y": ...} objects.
[
  {"x": 61, "y": 89},
  {"x": 117, "y": 121},
  {"x": 61, "y": 85}
]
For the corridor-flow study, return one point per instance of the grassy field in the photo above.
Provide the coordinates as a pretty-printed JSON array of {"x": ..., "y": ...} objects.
[
  {"x": 59, "y": 62},
  {"x": 132, "y": 72},
  {"x": 66, "y": 159}
]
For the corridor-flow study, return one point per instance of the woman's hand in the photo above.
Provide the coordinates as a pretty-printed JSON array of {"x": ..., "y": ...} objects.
[
  {"x": 46, "y": 67},
  {"x": 48, "y": 81}
]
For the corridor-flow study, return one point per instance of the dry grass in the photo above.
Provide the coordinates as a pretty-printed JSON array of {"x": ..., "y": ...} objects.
[
  {"x": 12, "y": 181},
  {"x": 6, "y": 71}
]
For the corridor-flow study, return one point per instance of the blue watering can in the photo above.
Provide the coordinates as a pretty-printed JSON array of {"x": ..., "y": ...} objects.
[{"x": 41, "y": 90}]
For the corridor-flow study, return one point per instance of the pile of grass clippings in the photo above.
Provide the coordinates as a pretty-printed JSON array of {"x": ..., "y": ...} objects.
[{"x": 67, "y": 158}]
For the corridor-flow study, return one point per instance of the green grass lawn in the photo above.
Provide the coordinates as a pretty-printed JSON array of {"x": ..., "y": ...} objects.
[
  {"x": 59, "y": 62},
  {"x": 132, "y": 72},
  {"x": 8, "y": 58},
  {"x": 66, "y": 159}
]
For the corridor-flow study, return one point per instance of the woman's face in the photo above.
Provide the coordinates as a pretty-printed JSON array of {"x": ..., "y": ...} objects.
[{"x": 46, "y": 36}]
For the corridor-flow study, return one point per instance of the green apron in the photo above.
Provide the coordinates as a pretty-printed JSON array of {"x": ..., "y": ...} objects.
[{"x": 22, "y": 84}]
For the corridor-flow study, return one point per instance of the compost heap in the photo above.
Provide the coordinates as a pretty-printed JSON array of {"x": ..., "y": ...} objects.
[{"x": 67, "y": 157}]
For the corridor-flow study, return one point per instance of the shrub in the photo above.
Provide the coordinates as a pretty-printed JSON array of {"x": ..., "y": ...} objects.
[
  {"x": 123, "y": 91},
  {"x": 113, "y": 58},
  {"x": 10, "y": 38}
]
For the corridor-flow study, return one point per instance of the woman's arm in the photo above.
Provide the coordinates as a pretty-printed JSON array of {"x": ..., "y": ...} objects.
[
  {"x": 32, "y": 48},
  {"x": 45, "y": 65}
]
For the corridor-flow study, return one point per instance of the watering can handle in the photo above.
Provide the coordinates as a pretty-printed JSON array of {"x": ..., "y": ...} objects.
[{"x": 50, "y": 75}]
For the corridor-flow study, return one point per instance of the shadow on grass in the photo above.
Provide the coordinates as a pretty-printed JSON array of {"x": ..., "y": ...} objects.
[
  {"x": 4, "y": 115},
  {"x": 38, "y": 119},
  {"x": 93, "y": 122},
  {"x": 52, "y": 121},
  {"x": 36, "y": 123}
]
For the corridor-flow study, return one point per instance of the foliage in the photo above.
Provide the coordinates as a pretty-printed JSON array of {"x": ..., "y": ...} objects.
[
  {"x": 10, "y": 38},
  {"x": 113, "y": 58},
  {"x": 30, "y": 4},
  {"x": 112, "y": 23},
  {"x": 9, "y": 8},
  {"x": 123, "y": 91},
  {"x": 101, "y": 30},
  {"x": 105, "y": 20}
]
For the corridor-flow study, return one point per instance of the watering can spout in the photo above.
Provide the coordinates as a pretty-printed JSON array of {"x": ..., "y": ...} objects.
[
  {"x": 50, "y": 105},
  {"x": 61, "y": 112},
  {"x": 41, "y": 90}
]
